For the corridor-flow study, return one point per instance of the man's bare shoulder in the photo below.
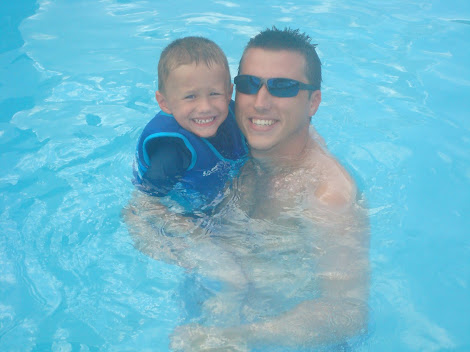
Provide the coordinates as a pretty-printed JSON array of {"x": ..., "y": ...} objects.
[{"x": 336, "y": 187}]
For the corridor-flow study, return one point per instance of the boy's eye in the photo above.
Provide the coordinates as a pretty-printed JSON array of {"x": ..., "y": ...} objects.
[
  {"x": 190, "y": 96},
  {"x": 215, "y": 93}
]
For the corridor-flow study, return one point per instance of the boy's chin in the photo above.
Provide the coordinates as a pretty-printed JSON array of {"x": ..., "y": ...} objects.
[{"x": 205, "y": 135}]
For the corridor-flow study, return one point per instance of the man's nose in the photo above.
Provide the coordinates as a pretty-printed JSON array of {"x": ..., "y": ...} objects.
[{"x": 263, "y": 99}]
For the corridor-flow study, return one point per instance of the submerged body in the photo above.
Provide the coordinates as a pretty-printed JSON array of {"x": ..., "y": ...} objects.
[
  {"x": 301, "y": 263},
  {"x": 292, "y": 269}
]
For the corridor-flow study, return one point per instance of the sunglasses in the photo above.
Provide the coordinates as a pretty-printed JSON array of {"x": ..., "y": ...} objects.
[{"x": 278, "y": 87}]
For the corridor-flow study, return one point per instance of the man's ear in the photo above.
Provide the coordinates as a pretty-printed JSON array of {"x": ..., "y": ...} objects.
[
  {"x": 162, "y": 102},
  {"x": 315, "y": 100}
]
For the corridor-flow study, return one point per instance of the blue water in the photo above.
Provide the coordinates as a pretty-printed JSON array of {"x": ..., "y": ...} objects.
[{"x": 77, "y": 82}]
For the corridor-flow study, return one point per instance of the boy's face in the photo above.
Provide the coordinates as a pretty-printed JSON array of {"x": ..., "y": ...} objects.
[{"x": 198, "y": 97}]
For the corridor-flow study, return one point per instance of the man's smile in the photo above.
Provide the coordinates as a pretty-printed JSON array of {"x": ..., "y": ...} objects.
[{"x": 262, "y": 122}]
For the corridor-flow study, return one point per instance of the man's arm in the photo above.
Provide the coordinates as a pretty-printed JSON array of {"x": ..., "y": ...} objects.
[
  {"x": 342, "y": 270},
  {"x": 156, "y": 230},
  {"x": 341, "y": 310}
]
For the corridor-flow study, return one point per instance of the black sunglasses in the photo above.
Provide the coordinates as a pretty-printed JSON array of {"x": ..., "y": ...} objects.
[{"x": 278, "y": 87}]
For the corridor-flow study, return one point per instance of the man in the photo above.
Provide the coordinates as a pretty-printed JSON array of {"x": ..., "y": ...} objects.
[
  {"x": 277, "y": 128},
  {"x": 306, "y": 262},
  {"x": 290, "y": 227}
]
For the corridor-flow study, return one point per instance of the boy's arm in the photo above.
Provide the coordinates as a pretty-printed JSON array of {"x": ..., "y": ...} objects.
[
  {"x": 169, "y": 159},
  {"x": 150, "y": 222}
]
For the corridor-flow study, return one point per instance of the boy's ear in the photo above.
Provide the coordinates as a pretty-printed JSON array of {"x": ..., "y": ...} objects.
[
  {"x": 230, "y": 91},
  {"x": 162, "y": 102}
]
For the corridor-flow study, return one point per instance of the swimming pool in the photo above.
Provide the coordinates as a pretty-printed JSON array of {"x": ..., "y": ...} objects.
[{"x": 77, "y": 86}]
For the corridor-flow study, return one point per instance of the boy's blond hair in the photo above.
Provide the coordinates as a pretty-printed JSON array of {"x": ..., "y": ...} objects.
[{"x": 188, "y": 50}]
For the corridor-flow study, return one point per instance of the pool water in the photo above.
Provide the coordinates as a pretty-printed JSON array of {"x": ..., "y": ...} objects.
[{"x": 77, "y": 82}]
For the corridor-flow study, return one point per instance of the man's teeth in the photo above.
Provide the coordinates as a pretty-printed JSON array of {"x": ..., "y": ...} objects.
[
  {"x": 202, "y": 121},
  {"x": 260, "y": 122}
]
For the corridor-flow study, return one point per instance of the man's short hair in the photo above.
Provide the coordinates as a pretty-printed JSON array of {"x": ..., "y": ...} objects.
[
  {"x": 291, "y": 40},
  {"x": 188, "y": 50}
]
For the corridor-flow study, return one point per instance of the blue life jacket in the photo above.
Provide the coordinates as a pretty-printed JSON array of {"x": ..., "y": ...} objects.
[{"x": 208, "y": 171}]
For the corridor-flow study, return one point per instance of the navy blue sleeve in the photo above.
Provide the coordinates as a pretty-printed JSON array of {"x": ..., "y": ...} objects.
[{"x": 169, "y": 159}]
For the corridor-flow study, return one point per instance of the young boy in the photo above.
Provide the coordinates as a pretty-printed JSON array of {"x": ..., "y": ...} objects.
[{"x": 193, "y": 145}]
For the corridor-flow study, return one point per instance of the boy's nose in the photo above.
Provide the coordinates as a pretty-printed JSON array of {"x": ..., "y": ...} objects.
[{"x": 204, "y": 104}]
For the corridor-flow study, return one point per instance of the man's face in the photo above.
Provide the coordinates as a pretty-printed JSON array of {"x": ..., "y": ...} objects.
[{"x": 275, "y": 126}]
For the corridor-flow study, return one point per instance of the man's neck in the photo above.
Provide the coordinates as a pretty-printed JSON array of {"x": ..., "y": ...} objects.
[{"x": 292, "y": 157}]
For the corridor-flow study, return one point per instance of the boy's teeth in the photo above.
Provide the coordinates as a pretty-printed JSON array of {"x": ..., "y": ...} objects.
[
  {"x": 260, "y": 122},
  {"x": 201, "y": 121}
]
